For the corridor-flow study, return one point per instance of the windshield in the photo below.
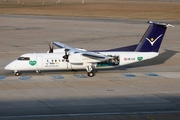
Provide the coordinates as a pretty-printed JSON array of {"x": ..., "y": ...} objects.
[{"x": 23, "y": 58}]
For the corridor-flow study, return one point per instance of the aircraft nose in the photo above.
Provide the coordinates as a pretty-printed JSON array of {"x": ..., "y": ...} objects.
[
  {"x": 7, "y": 67},
  {"x": 10, "y": 66}
]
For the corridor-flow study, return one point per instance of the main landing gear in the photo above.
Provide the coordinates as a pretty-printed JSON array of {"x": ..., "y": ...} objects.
[
  {"x": 91, "y": 74},
  {"x": 90, "y": 71}
]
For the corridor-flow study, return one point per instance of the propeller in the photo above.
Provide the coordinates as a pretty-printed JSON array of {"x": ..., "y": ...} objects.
[
  {"x": 66, "y": 56},
  {"x": 51, "y": 48}
]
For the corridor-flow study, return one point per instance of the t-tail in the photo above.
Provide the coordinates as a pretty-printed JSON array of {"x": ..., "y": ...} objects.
[{"x": 151, "y": 41}]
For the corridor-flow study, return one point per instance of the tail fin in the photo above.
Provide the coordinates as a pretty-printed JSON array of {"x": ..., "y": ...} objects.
[{"x": 153, "y": 37}]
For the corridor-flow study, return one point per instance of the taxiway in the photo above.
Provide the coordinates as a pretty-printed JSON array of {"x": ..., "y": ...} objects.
[{"x": 143, "y": 91}]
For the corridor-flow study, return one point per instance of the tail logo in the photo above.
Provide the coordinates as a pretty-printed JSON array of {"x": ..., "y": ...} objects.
[{"x": 152, "y": 40}]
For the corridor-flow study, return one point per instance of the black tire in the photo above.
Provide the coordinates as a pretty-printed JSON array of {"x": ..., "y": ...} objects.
[
  {"x": 16, "y": 73},
  {"x": 90, "y": 74},
  {"x": 38, "y": 71}
]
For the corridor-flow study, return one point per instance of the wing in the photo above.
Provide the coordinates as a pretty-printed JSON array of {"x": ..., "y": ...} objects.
[
  {"x": 62, "y": 45},
  {"x": 92, "y": 55}
]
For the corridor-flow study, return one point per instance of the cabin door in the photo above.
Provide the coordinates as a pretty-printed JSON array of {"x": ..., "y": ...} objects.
[{"x": 39, "y": 62}]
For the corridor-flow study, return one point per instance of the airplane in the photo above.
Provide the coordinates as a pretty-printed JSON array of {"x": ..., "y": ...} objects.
[{"x": 69, "y": 58}]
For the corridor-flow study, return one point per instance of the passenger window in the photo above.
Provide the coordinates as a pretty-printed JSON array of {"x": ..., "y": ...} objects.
[{"x": 55, "y": 60}]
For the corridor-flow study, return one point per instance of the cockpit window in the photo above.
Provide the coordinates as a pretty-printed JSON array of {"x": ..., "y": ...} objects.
[
  {"x": 20, "y": 58},
  {"x": 26, "y": 58},
  {"x": 23, "y": 58}
]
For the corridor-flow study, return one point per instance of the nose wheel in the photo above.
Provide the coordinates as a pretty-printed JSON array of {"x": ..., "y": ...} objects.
[
  {"x": 16, "y": 73},
  {"x": 38, "y": 71}
]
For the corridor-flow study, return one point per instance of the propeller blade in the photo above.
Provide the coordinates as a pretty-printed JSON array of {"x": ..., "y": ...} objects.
[
  {"x": 51, "y": 48},
  {"x": 66, "y": 56}
]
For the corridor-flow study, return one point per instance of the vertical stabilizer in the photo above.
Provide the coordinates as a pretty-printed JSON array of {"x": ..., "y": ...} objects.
[{"x": 153, "y": 37}]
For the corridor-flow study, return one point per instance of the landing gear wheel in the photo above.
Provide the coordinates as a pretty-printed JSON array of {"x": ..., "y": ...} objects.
[
  {"x": 38, "y": 71},
  {"x": 16, "y": 73},
  {"x": 90, "y": 74}
]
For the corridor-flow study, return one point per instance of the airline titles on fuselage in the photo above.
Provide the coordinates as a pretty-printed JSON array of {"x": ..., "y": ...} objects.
[{"x": 53, "y": 62}]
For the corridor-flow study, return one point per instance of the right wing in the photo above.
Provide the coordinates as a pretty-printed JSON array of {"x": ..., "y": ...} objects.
[
  {"x": 62, "y": 45},
  {"x": 92, "y": 55}
]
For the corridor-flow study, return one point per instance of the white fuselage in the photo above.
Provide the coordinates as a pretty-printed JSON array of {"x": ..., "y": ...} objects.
[{"x": 55, "y": 61}]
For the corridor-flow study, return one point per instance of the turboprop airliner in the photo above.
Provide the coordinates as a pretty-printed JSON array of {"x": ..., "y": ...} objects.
[{"x": 69, "y": 58}]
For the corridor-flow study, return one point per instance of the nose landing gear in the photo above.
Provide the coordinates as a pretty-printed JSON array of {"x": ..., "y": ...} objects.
[
  {"x": 16, "y": 73},
  {"x": 38, "y": 71}
]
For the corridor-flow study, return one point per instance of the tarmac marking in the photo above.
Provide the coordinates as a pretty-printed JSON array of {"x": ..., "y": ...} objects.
[
  {"x": 25, "y": 77},
  {"x": 2, "y": 77},
  {"x": 57, "y": 76},
  {"x": 129, "y": 75},
  {"x": 151, "y": 74},
  {"x": 80, "y": 76}
]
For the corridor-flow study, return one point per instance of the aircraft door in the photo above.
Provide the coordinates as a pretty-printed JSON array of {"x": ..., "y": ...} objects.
[{"x": 39, "y": 60}]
